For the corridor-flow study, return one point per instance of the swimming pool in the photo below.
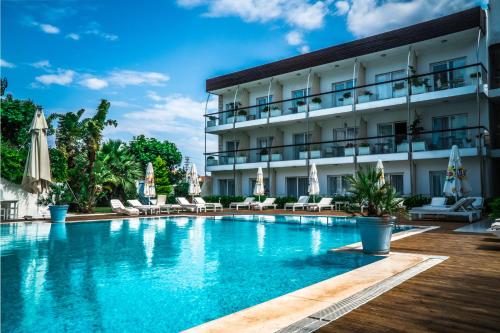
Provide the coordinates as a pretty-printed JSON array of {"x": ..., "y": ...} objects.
[{"x": 164, "y": 273}]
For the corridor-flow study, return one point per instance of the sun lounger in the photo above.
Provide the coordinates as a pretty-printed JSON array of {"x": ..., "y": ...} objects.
[
  {"x": 164, "y": 207},
  {"x": 301, "y": 203},
  {"x": 208, "y": 205},
  {"x": 459, "y": 209},
  {"x": 193, "y": 207},
  {"x": 437, "y": 202},
  {"x": 245, "y": 203},
  {"x": 269, "y": 202},
  {"x": 322, "y": 204},
  {"x": 146, "y": 209},
  {"x": 118, "y": 207}
]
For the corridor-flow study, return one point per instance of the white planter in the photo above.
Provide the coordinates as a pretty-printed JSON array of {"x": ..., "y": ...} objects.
[
  {"x": 211, "y": 123},
  {"x": 263, "y": 114},
  {"x": 302, "y": 155},
  {"x": 276, "y": 157},
  {"x": 241, "y": 159},
  {"x": 211, "y": 162},
  {"x": 364, "y": 98},
  {"x": 402, "y": 148},
  {"x": 418, "y": 146},
  {"x": 347, "y": 101},
  {"x": 264, "y": 158},
  {"x": 349, "y": 151},
  {"x": 315, "y": 153},
  {"x": 301, "y": 108},
  {"x": 415, "y": 90},
  {"x": 364, "y": 150},
  {"x": 314, "y": 106},
  {"x": 399, "y": 92},
  {"x": 230, "y": 160},
  {"x": 230, "y": 120},
  {"x": 241, "y": 118},
  {"x": 275, "y": 113}
]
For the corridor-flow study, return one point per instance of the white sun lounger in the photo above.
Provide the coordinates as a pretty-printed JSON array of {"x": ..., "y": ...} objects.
[
  {"x": 193, "y": 207},
  {"x": 208, "y": 205},
  {"x": 164, "y": 206},
  {"x": 269, "y": 202},
  {"x": 322, "y": 204},
  {"x": 245, "y": 203},
  {"x": 301, "y": 203},
  {"x": 118, "y": 207},
  {"x": 459, "y": 209},
  {"x": 144, "y": 208},
  {"x": 436, "y": 202}
]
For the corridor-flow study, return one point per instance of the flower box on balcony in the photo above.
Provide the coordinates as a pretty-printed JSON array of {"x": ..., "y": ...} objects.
[
  {"x": 276, "y": 157},
  {"x": 230, "y": 120},
  {"x": 364, "y": 150},
  {"x": 264, "y": 158},
  {"x": 275, "y": 112},
  {"x": 418, "y": 146},
  {"x": 314, "y": 106},
  {"x": 315, "y": 153},
  {"x": 264, "y": 114},
  {"x": 240, "y": 118},
  {"x": 346, "y": 101},
  {"x": 399, "y": 92},
  {"x": 349, "y": 151},
  {"x": 241, "y": 159},
  {"x": 420, "y": 89},
  {"x": 364, "y": 98},
  {"x": 211, "y": 161},
  {"x": 211, "y": 123},
  {"x": 402, "y": 147},
  {"x": 302, "y": 155},
  {"x": 301, "y": 108},
  {"x": 230, "y": 160}
]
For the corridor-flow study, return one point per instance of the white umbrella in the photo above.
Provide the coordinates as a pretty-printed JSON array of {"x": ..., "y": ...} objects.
[
  {"x": 36, "y": 177},
  {"x": 313, "y": 188},
  {"x": 149, "y": 183},
  {"x": 380, "y": 169},
  {"x": 259, "y": 184},
  {"x": 194, "y": 182},
  {"x": 456, "y": 183}
]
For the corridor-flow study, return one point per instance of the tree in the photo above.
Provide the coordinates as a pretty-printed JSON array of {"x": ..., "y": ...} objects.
[
  {"x": 16, "y": 116},
  {"x": 146, "y": 150},
  {"x": 162, "y": 176}
]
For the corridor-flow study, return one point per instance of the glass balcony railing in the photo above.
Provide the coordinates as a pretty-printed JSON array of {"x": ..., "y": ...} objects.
[
  {"x": 468, "y": 75},
  {"x": 466, "y": 137}
]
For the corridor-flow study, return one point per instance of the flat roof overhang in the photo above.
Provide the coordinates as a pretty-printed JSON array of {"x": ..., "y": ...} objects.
[{"x": 464, "y": 20}]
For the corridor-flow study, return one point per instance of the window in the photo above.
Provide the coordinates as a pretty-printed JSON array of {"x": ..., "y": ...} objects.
[
  {"x": 396, "y": 180},
  {"x": 226, "y": 187},
  {"x": 296, "y": 186},
  {"x": 338, "y": 185},
  {"x": 391, "y": 89},
  {"x": 231, "y": 146},
  {"x": 252, "y": 185},
  {"x": 445, "y": 139},
  {"x": 436, "y": 182},
  {"x": 298, "y": 94},
  {"x": 300, "y": 140},
  {"x": 447, "y": 77},
  {"x": 263, "y": 143},
  {"x": 342, "y": 97},
  {"x": 262, "y": 101},
  {"x": 387, "y": 144}
]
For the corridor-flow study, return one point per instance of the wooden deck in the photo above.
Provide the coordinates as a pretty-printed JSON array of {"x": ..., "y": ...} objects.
[{"x": 462, "y": 294}]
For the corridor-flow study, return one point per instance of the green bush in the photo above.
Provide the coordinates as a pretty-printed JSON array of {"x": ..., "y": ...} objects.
[
  {"x": 493, "y": 206},
  {"x": 225, "y": 200},
  {"x": 416, "y": 201},
  {"x": 281, "y": 201}
]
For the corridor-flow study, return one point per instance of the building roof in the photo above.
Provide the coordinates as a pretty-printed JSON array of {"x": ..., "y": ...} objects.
[{"x": 445, "y": 25}]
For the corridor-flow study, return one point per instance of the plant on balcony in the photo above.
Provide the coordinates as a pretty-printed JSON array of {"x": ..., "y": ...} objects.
[
  {"x": 275, "y": 107},
  {"x": 265, "y": 109},
  {"x": 242, "y": 112},
  {"x": 475, "y": 75},
  {"x": 367, "y": 93},
  {"x": 347, "y": 95},
  {"x": 316, "y": 100},
  {"x": 364, "y": 144},
  {"x": 416, "y": 128},
  {"x": 264, "y": 151},
  {"x": 212, "y": 118},
  {"x": 349, "y": 145},
  {"x": 301, "y": 103},
  {"x": 399, "y": 85}
]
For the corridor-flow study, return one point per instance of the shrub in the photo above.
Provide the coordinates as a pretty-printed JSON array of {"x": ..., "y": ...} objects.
[
  {"x": 281, "y": 201},
  {"x": 416, "y": 201},
  {"x": 493, "y": 205}
]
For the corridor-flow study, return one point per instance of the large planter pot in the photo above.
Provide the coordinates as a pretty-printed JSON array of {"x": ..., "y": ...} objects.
[
  {"x": 58, "y": 213},
  {"x": 376, "y": 234}
]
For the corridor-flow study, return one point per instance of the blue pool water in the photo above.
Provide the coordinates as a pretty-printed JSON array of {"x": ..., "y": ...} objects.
[{"x": 161, "y": 274}]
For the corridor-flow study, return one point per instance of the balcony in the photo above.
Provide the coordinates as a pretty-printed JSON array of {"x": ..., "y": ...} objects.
[
  {"x": 424, "y": 145},
  {"x": 424, "y": 87}
]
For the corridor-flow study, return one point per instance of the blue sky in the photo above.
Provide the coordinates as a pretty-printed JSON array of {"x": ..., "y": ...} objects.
[{"x": 150, "y": 59}]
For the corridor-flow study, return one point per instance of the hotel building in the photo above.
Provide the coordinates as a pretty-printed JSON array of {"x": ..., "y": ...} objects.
[{"x": 404, "y": 97}]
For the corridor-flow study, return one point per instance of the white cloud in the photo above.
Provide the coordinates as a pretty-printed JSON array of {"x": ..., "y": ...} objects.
[
  {"x": 294, "y": 38},
  {"x": 4, "y": 63},
  {"x": 49, "y": 29},
  {"x": 369, "y": 17},
  {"x": 41, "y": 64},
  {"x": 128, "y": 77},
  {"x": 73, "y": 36},
  {"x": 307, "y": 16},
  {"x": 304, "y": 49},
  {"x": 342, "y": 7},
  {"x": 94, "y": 28},
  {"x": 63, "y": 77},
  {"x": 94, "y": 83}
]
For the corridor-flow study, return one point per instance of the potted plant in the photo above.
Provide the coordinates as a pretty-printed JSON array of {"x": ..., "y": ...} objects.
[
  {"x": 58, "y": 199},
  {"x": 364, "y": 148},
  {"x": 301, "y": 106},
  {"x": 264, "y": 155},
  {"x": 211, "y": 160},
  {"x": 242, "y": 115},
  {"x": 399, "y": 89},
  {"x": 211, "y": 121},
  {"x": 347, "y": 98},
  {"x": 276, "y": 156},
  {"x": 264, "y": 113},
  {"x": 366, "y": 97},
  {"x": 275, "y": 111},
  {"x": 315, "y": 104},
  {"x": 375, "y": 226},
  {"x": 349, "y": 149}
]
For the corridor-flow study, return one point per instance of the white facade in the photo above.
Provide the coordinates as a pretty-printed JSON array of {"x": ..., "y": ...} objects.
[{"x": 454, "y": 107}]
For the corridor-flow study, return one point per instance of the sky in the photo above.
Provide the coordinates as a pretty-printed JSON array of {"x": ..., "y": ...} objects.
[{"x": 151, "y": 58}]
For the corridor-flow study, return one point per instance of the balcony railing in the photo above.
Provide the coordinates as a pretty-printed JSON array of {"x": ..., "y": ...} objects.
[
  {"x": 419, "y": 84},
  {"x": 466, "y": 137}
]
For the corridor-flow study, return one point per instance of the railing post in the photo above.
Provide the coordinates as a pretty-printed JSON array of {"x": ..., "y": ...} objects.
[
  {"x": 235, "y": 152},
  {"x": 308, "y": 145},
  {"x": 268, "y": 143},
  {"x": 356, "y": 129},
  {"x": 478, "y": 103},
  {"x": 409, "y": 135}
]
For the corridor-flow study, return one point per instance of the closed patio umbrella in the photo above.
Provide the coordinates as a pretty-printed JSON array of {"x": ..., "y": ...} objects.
[
  {"x": 380, "y": 169},
  {"x": 149, "y": 183},
  {"x": 313, "y": 188},
  {"x": 36, "y": 177},
  {"x": 194, "y": 182},
  {"x": 259, "y": 184},
  {"x": 456, "y": 183}
]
